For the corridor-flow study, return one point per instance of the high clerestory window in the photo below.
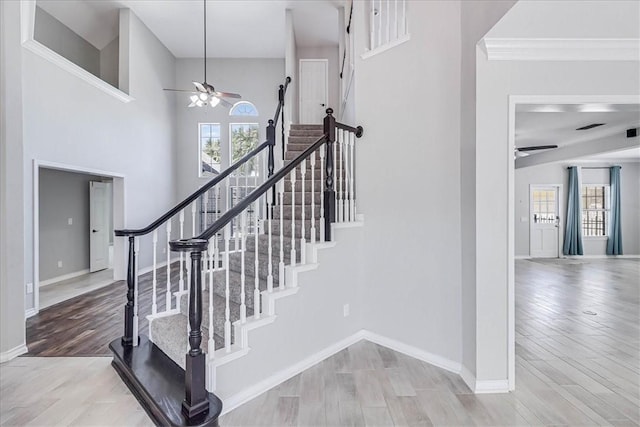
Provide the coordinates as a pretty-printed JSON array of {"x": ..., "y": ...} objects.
[{"x": 244, "y": 108}]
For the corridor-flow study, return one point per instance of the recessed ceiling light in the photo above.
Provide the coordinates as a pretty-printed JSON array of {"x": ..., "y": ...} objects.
[{"x": 596, "y": 108}]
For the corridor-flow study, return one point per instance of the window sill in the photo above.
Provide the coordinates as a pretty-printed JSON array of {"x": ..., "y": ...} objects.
[{"x": 595, "y": 237}]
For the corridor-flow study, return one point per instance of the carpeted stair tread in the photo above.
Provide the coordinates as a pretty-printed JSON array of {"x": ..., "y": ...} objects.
[
  {"x": 170, "y": 335},
  {"x": 287, "y": 229},
  {"x": 286, "y": 211},
  {"x": 219, "y": 304}
]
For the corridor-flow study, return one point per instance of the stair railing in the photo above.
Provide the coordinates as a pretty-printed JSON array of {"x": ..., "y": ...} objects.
[
  {"x": 336, "y": 145},
  {"x": 221, "y": 187}
]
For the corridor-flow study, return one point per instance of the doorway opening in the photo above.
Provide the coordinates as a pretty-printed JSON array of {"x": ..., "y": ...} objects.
[
  {"x": 314, "y": 90},
  {"x": 75, "y": 213}
]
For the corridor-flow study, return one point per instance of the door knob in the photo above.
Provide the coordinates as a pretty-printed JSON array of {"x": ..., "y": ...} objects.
[
  {"x": 94, "y": 231},
  {"x": 322, "y": 105}
]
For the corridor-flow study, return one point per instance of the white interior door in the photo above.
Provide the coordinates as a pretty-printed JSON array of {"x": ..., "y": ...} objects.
[
  {"x": 544, "y": 224},
  {"x": 314, "y": 91},
  {"x": 98, "y": 226}
]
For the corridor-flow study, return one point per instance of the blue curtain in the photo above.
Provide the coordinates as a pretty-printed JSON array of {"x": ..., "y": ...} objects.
[
  {"x": 573, "y": 231},
  {"x": 614, "y": 243}
]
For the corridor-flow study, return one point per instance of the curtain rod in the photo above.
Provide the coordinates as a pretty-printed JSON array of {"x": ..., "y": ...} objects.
[{"x": 599, "y": 167}]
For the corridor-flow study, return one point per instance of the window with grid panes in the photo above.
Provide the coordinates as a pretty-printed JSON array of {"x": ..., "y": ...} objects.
[
  {"x": 209, "y": 141},
  {"x": 595, "y": 210}
]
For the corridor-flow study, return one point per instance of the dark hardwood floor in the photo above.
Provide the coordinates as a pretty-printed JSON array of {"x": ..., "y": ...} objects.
[{"x": 85, "y": 325}]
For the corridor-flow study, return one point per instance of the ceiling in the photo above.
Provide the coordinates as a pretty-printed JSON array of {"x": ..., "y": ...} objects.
[
  {"x": 556, "y": 124},
  {"x": 235, "y": 28}
]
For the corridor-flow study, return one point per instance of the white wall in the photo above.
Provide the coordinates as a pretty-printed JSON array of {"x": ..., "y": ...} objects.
[
  {"x": 291, "y": 70},
  {"x": 257, "y": 80},
  {"x": 496, "y": 80},
  {"x": 557, "y": 174},
  {"x": 12, "y": 222},
  {"x": 109, "y": 63},
  {"x": 408, "y": 180},
  {"x": 59, "y": 38},
  {"x": 76, "y": 124},
  {"x": 331, "y": 54},
  {"x": 477, "y": 17},
  {"x": 297, "y": 333}
]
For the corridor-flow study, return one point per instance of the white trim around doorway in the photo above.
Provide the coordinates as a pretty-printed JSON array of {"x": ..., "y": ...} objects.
[
  {"x": 118, "y": 218},
  {"x": 514, "y": 100}
]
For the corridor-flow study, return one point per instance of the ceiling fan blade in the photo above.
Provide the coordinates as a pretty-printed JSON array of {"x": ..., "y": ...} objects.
[
  {"x": 179, "y": 90},
  {"x": 225, "y": 103},
  {"x": 227, "y": 95},
  {"x": 200, "y": 87},
  {"x": 536, "y": 147}
]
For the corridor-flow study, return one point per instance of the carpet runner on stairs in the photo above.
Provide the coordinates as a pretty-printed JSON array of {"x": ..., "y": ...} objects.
[{"x": 169, "y": 332}]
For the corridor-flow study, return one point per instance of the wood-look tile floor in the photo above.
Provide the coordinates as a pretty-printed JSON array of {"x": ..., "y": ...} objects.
[{"x": 572, "y": 368}]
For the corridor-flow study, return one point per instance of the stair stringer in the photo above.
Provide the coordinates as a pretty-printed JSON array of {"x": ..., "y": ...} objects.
[{"x": 306, "y": 325}]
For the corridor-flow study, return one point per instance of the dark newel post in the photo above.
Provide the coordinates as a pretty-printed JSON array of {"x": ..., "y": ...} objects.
[
  {"x": 329, "y": 192},
  {"x": 196, "y": 400},
  {"x": 271, "y": 139},
  {"x": 127, "y": 338},
  {"x": 281, "y": 100}
]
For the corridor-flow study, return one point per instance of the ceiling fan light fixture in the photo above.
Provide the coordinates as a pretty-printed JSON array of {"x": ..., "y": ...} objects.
[
  {"x": 203, "y": 96},
  {"x": 213, "y": 101}
]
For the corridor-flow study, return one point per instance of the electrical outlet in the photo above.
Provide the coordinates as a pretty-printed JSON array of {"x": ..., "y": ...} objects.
[
  {"x": 29, "y": 288},
  {"x": 345, "y": 310},
  {"x": 59, "y": 264},
  {"x": 70, "y": 221}
]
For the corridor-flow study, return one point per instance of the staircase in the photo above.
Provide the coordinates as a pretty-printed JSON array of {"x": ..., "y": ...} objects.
[
  {"x": 168, "y": 332},
  {"x": 230, "y": 273}
]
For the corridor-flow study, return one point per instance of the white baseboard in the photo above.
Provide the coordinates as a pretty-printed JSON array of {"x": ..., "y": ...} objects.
[
  {"x": 601, "y": 256},
  {"x": 468, "y": 378},
  {"x": 522, "y": 257},
  {"x": 247, "y": 394},
  {"x": 30, "y": 312},
  {"x": 425, "y": 356},
  {"x": 491, "y": 386},
  {"x": 244, "y": 396},
  {"x": 13, "y": 353},
  {"x": 63, "y": 277}
]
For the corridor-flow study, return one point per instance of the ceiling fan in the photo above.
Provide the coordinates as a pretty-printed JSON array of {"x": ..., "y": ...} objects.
[
  {"x": 525, "y": 151},
  {"x": 204, "y": 93}
]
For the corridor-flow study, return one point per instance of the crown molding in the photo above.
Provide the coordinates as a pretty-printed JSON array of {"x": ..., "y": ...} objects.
[{"x": 505, "y": 49}]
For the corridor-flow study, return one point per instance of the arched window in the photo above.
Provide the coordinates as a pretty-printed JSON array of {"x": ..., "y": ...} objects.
[{"x": 243, "y": 108}]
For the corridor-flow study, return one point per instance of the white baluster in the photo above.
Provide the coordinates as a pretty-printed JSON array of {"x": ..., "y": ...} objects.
[
  {"x": 340, "y": 181},
  {"x": 168, "y": 293},
  {"x": 218, "y": 235},
  {"x": 270, "y": 195},
  {"x": 303, "y": 242},
  {"x": 335, "y": 172},
  {"x": 352, "y": 201},
  {"x": 211, "y": 343},
  {"x": 313, "y": 197},
  {"x": 205, "y": 205},
  {"x": 281, "y": 264},
  {"x": 227, "y": 311},
  {"x": 322, "y": 186},
  {"x": 243, "y": 249},
  {"x": 345, "y": 172},
  {"x": 379, "y": 25},
  {"x": 395, "y": 17},
  {"x": 136, "y": 251},
  {"x": 293, "y": 217},
  {"x": 404, "y": 17},
  {"x": 388, "y": 22},
  {"x": 154, "y": 274},
  {"x": 237, "y": 230},
  {"x": 372, "y": 24},
  {"x": 193, "y": 220},
  {"x": 256, "y": 268},
  {"x": 181, "y": 280}
]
